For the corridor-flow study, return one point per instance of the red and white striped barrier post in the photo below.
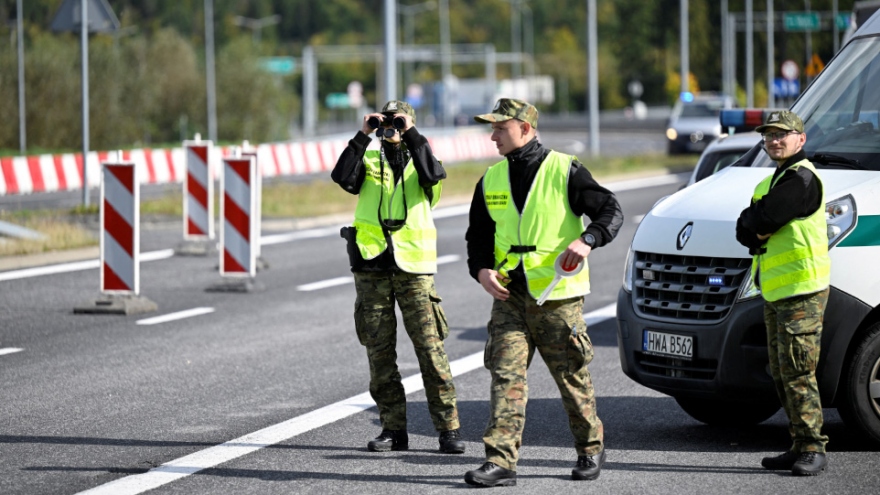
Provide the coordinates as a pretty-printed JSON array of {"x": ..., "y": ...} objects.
[
  {"x": 120, "y": 242},
  {"x": 257, "y": 217},
  {"x": 198, "y": 199},
  {"x": 237, "y": 227},
  {"x": 198, "y": 191}
]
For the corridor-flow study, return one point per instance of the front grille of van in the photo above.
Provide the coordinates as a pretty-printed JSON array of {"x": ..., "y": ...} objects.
[
  {"x": 698, "y": 369},
  {"x": 696, "y": 289}
]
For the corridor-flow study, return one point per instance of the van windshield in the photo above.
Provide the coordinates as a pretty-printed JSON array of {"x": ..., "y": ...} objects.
[{"x": 841, "y": 110}]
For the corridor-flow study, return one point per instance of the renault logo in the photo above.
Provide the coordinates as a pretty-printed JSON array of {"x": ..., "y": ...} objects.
[{"x": 684, "y": 235}]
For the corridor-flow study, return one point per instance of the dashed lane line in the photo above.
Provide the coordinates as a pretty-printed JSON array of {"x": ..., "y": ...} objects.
[
  {"x": 9, "y": 350},
  {"x": 189, "y": 313},
  {"x": 334, "y": 282},
  {"x": 204, "y": 459}
]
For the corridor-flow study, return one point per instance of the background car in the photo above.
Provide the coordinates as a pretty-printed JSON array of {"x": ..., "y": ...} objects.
[
  {"x": 694, "y": 123},
  {"x": 723, "y": 152}
]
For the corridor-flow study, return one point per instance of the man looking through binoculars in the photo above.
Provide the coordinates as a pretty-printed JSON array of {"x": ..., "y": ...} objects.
[{"x": 392, "y": 248}]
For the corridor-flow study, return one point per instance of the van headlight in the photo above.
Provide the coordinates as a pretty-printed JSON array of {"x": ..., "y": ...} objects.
[
  {"x": 671, "y": 134},
  {"x": 628, "y": 271},
  {"x": 841, "y": 217},
  {"x": 749, "y": 289}
]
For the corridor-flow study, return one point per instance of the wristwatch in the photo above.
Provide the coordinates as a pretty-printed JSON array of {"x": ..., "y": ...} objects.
[{"x": 590, "y": 239}]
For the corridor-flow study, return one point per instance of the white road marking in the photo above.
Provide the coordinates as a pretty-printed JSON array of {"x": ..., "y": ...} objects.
[
  {"x": 252, "y": 442},
  {"x": 189, "y": 313},
  {"x": 333, "y": 282},
  {"x": 323, "y": 284},
  {"x": 9, "y": 350},
  {"x": 449, "y": 258}
]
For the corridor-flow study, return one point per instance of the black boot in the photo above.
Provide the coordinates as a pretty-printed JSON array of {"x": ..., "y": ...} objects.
[
  {"x": 451, "y": 442},
  {"x": 389, "y": 440},
  {"x": 782, "y": 462},
  {"x": 490, "y": 474},
  {"x": 588, "y": 466},
  {"x": 809, "y": 464}
]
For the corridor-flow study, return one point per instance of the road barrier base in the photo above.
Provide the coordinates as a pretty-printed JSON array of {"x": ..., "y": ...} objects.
[
  {"x": 117, "y": 305},
  {"x": 239, "y": 285},
  {"x": 206, "y": 247}
]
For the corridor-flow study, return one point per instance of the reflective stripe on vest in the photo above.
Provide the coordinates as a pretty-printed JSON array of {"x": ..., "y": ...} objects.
[
  {"x": 415, "y": 245},
  {"x": 796, "y": 261},
  {"x": 547, "y": 224}
]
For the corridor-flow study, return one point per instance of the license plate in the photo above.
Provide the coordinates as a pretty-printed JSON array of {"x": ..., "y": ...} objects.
[{"x": 668, "y": 344}]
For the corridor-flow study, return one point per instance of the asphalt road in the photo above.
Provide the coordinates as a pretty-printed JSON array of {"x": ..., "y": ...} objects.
[{"x": 265, "y": 393}]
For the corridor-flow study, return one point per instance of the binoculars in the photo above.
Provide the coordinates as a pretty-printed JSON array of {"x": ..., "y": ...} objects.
[{"x": 395, "y": 122}]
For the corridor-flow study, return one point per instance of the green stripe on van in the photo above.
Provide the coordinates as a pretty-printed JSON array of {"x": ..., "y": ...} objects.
[{"x": 867, "y": 233}]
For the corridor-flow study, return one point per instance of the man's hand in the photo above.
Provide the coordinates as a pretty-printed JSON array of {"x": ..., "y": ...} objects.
[
  {"x": 490, "y": 280},
  {"x": 577, "y": 251},
  {"x": 408, "y": 119},
  {"x": 365, "y": 127}
]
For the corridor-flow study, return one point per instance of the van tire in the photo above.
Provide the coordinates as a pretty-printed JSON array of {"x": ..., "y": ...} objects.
[
  {"x": 860, "y": 404},
  {"x": 726, "y": 413}
]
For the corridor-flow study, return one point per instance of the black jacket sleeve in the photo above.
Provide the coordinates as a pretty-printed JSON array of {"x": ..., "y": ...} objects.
[
  {"x": 349, "y": 171},
  {"x": 796, "y": 194},
  {"x": 429, "y": 169},
  {"x": 587, "y": 197},
  {"x": 480, "y": 236}
]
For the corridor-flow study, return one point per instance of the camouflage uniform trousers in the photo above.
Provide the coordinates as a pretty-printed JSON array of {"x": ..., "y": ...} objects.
[
  {"x": 794, "y": 333},
  {"x": 558, "y": 331},
  {"x": 425, "y": 323}
]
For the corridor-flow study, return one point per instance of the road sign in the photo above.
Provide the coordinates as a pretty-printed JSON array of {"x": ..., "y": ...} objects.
[
  {"x": 278, "y": 65},
  {"x": 783, "y": 88},
  {"x": 814, "y": 67},
  {"x": 69, "y": 18},
  {"x": 355, "y": 91},
  {"x": 789, "y": 70},
  {"x": 337, "y": 100},
  {"x": 843, "y": 20},
  {"x": 801, "y": 21}
]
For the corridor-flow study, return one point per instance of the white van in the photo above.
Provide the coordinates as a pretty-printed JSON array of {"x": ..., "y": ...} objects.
[{"x": 690, "y": 323}]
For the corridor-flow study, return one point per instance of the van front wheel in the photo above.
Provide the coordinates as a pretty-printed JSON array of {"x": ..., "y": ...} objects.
[
  {"x": 860, "y": 405},
  {"x": 726, "y": 413}
]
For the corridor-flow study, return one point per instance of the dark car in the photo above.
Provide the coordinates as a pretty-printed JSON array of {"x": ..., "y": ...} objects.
[{"x": 694, "y": 122}]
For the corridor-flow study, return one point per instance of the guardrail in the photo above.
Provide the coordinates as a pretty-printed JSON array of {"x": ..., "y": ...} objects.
[{"x": 63, "y": 172}]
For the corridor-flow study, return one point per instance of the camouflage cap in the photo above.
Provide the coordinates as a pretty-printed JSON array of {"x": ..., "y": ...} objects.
[
  {"x": 508, "y": 108},
  {"x": 782, "y": 119},
  {"x": 396, "y": 106}
]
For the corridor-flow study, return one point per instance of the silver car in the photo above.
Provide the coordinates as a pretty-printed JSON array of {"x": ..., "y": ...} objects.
[
  {"x": 694, "y": 122},
  {"x": 722, "y": 153}
]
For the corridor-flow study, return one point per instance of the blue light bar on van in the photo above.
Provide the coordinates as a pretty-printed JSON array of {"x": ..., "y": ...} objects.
[{"x": 743, "y": 119}]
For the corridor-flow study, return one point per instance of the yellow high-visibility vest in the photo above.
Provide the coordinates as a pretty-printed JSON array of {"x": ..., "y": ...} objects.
[
  {"x": 415, "y": 244},
  {"x": 544, "y": 229},
  {"x": 796, "y": 261}
]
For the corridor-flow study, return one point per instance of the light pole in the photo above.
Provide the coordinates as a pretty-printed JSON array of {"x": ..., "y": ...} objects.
[
  {"x": 685, "y": 47},
  {"x": 22, "y": 134},
  {"x": 209, "y": 70},
  {"x": 390, "y": 50},
  {"x": 446, "y": 59},
  {"x": 515, "y": 37},
  {"x": 257, "y": 25},
  {"x": 409, "y": 12}
]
